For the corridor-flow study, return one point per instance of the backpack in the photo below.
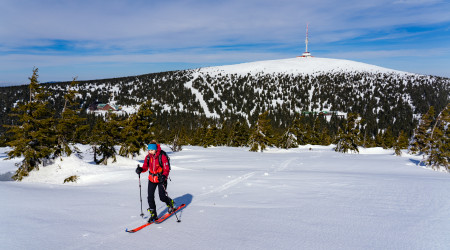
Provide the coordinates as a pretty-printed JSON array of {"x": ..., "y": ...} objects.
[{"x": 160, "y": 159}]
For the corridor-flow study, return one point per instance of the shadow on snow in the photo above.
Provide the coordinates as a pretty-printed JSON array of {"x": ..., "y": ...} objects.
[{"x": 6, "y": 176}]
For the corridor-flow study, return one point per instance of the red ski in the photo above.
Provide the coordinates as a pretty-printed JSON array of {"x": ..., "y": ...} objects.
[
  {"x": 164, "y": 217},
  {"x": 160, "y": 220},
  {"x": 138, "y": 228}
]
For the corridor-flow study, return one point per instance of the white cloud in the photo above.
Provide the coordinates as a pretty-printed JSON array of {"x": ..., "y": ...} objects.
[
  {"x": 188, "y": 23},
  {"x": 410, "y": 53},
  {"x": 195, "y": 30}
]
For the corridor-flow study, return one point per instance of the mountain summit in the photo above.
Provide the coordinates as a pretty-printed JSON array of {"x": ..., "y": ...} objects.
[{"x": 299, "y": 65}]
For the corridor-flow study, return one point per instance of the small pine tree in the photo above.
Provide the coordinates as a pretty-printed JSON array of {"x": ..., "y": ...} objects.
[
  {"x": 388, "y": 139},
  {"x": 301, "y": 131},
  {"x": 106, "y": 135},
  {"x": 240, "y": 135},
  {"x": 324, "y": 137},
  {"x": 262, "y": 135},
  {"x": 379, "y": 142},
  {"x": 3, "y": 140},
  {"x": 317, "y": 131},
  {"x": 421, "y": 136},
  {"x": 401, "y": 143},
  {"x": 138, "y": 131},
  {"x": 439, "y": 143},
  {"x": 347, "y": 138},
  {"x": 34, "y": 137},
  {"x": 223, "y": 135},
  {"x": 288, "y": 140},
  {"x": 210, "y": 136},
  {"x": 70, "y": 125},
  {"x": 199, "y": 135},
  {"x": 131, "y": 143}
]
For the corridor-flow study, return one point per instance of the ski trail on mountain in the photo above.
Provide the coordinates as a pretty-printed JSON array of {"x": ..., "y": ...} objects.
[
  {"x": 229, "y": 184},
  {"x": 199, "y": 96}
]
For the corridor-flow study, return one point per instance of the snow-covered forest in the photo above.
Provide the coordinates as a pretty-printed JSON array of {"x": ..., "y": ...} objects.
[
  {"x": 386, "y": 99},
  {"x": 281, "y": 103}
]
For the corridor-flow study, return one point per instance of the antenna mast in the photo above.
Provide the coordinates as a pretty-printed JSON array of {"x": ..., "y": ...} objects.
[
  {"x": 306, "y": 53},
  {"x": 306, "y": 41}
]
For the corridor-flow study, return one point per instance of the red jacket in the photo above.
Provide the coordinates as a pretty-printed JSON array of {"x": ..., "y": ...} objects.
[{"x": 151, "y": 163}]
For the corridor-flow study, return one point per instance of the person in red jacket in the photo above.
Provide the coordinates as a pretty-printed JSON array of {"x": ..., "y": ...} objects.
[{"x": 157, "y": 178}]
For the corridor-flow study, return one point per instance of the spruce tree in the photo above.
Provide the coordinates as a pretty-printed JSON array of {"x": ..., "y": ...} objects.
[
  {"x": 132, "y": 142},
  {"x": 379, "y": 142},
  {"x": 388, "y": 139},
  {"x": 138, "y": 131},
  {"x": 421, "y": 136},
  {"x": 262, "y": 135},
  {"x": 288, "y": 140},
  {"x": 319, "y": 133},
  {"x": 210, "y": 136},
  {"x": 106, "y": 135},
  {"x": 3, "y": 140},
  {"x": 347, "y": 138},
  {"x": 199, "y": 135},
  {"x": 301, "y": 131},
  {"x": 223, "y": 135},
  {"x": 439, "y": 143},
  {"x": 240, "y": 134},
  {"x": 401, "y": 143},
  {"x": 34, "y": 137},
  {"x": 324, "y": 137},
  {"x": 70, "y": 125}
]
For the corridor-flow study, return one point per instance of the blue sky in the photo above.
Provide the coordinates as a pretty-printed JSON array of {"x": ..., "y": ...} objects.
[{"x": 101, "y": 39}]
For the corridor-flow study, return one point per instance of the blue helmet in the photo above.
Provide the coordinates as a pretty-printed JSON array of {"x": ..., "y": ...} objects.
[{"x": 151, "y": 146}]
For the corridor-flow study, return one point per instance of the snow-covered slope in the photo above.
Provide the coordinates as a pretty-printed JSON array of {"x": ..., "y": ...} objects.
[
  {"x": 299, "y": 65},
  {"x": 305, "y": 198},
  {"x": 383, "y": 97}
]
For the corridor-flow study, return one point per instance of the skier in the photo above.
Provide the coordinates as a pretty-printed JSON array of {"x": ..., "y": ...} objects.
[{"x": 157, "y": 178}]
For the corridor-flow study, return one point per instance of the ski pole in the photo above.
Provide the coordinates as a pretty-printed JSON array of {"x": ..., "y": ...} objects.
[
  {"x": 162, "y": 184},
  {"x": 140, "y": 195}
]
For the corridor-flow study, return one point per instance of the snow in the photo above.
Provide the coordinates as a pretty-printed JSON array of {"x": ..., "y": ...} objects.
[
  {"x": 199, "y": 97},
  {"x": 130, "y": 109},
  {"x": 299, "y": 65},
  {"x": 305, "y": 198},
  {"x": 291, "y": 66}
]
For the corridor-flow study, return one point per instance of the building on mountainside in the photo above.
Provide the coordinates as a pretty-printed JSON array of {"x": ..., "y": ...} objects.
[
  {"x": 108, "y": 107},
  {"x": 97, "y": 106},
  {"x": 326, "y": 113},
  {"x": 306, "y": 53}
]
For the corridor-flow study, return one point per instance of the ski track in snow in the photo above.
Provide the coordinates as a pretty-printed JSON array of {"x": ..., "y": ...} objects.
[
  {"x": 305, "y": 198},
  {"x": 230, "y": 184},
  {"x": 284, "y": 165}
]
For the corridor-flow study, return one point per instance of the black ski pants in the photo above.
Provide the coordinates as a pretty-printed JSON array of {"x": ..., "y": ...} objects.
[{"x": 162, "y": 187}]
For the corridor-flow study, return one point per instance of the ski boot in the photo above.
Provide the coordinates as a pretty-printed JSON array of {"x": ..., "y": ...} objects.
[
  {"x": 153, "y": 215},
  {"x": 170, "y": 206}
]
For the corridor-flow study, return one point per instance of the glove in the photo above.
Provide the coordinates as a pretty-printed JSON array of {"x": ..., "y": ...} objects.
[
  {"x": 139, "y": 170},
  {"x": 162, "y": 178}
]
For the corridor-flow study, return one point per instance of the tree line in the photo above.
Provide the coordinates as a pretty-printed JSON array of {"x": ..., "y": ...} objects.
[
  {"x": 384, "y": 101},
  {"x": 42, "y": 133}
]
